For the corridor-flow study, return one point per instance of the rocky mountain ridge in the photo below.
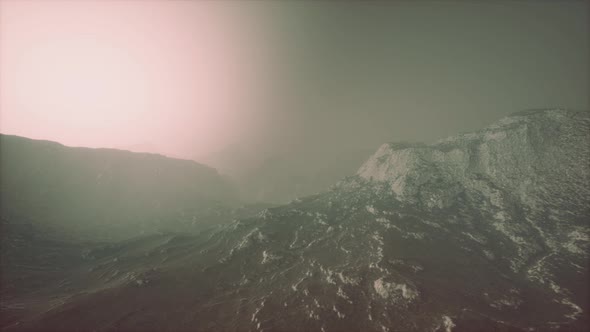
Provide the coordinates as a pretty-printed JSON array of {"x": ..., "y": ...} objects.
[
  {"x": 487, "y": 231},
  {"x": 513, "y": 154}
]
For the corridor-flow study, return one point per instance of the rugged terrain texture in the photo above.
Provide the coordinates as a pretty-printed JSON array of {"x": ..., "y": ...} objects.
[
  {"x": 530, "y": 171},
  {"x": 487, "y": 231}
]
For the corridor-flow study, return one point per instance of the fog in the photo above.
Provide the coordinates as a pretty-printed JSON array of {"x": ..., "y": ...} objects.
[
  {"x": 294, "y": 165},
  {"x": 375, "y": 72},
  {"x": 244, "y": 85},
  {"x": 179, "y": 78}
]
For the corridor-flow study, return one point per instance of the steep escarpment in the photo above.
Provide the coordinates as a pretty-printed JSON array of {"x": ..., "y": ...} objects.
[
  {"x": 529, "y": 172},
  {"x": 529, "y": 169}
]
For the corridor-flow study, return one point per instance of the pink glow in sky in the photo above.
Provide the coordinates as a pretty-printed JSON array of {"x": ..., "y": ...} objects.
[{"x": 182, "y": 78}]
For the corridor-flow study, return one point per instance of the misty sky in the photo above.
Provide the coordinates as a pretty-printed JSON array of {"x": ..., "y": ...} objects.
[{"x": 309, "y": 80}]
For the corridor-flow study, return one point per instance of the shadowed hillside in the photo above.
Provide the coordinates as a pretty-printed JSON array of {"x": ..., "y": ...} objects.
[{"x": 104, "y": 193}]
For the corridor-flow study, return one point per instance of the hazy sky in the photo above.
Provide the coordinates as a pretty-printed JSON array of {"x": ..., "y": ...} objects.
[
  {"x": 377, "y": 72},
  {"x": 190, "y": 78},
  {"x": 178, "y": 77}
]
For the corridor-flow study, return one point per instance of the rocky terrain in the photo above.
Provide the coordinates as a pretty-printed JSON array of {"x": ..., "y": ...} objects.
[{"x": 484, "y": 231}]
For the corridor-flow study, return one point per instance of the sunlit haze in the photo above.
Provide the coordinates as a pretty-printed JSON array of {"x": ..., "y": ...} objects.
[
  {"x": 182, "y": 78},
  {"x": 236, "y": 83}
]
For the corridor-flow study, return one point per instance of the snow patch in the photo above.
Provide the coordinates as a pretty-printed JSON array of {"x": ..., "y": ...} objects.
[
  {"x": 338, "y": 313},
  {"x": 413, "y": 235},
  {"x": 268, "y": 257},
  {"x": 475, "y": 238},
  {"x": 448, "y": 323},
  {"x": 576, "y": 310},
  {"x": 577, "y": 240},
  {"x": 391, "y": 289},
  {"x": 347, "y": 280},
  {"x": 343, "y": 295}
]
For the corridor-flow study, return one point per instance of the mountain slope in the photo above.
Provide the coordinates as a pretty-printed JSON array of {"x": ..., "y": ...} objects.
[
  {"x": 102, "y": 192},
  {"x": 485, "y": 231}
]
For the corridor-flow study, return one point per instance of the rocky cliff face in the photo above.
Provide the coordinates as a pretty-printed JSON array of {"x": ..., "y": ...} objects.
[
  {"x": 487, "y": 231},
  {"x": 528, "y": 155},
  {"x": 530, "y": 170}
]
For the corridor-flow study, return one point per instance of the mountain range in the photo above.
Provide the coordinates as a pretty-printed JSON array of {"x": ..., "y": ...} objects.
[{"x": 482, "y": 231}]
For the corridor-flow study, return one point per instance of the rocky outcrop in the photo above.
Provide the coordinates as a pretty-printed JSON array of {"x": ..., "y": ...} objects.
[
  {"x": 528, "y": 178},
  {"x": 528, "y": 155}
]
